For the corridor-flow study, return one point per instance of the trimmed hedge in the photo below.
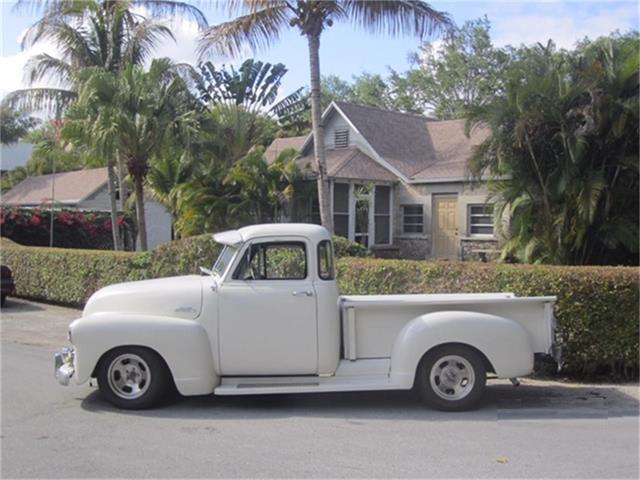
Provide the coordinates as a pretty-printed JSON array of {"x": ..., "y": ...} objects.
[{"x": 597, "y": 307}]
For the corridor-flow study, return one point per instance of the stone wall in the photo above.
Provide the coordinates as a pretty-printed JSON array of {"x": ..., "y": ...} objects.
[
  {"x": 478, "y": 249},
  {"x": 413, "y": 248},
  {"x": 385, "y": 251}
]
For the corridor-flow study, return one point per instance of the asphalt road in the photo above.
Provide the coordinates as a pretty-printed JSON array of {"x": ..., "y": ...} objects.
[{"x": 540, "y": 429}]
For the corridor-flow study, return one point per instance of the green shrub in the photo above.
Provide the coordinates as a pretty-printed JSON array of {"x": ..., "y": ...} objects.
[
  {"x": 597, "y": 307},
  {"x": 346, "y": 248}
]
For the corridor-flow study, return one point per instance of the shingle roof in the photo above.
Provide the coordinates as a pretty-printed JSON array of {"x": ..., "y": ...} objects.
[
  {"x": 415, "y": 144},
  {"x": 399, "y": 138},
  {"x": 420, "y": 148},
  {"x": 350, "y": 163},
  {"x": 451, "y": 149},
  {"x": 281, "y": 144},
  {"x": 70, "y": 187}
]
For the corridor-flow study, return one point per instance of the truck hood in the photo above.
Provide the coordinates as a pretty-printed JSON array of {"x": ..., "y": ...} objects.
[{"x": 171, "y": 297}]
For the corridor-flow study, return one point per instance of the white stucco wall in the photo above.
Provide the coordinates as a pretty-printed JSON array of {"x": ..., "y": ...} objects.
[
  {"x": 158, "y": 221},
  {"x": 99, "y": 200}
]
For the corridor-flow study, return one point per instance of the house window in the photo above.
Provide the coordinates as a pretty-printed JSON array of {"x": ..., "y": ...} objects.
[
  {"x": 382, "y": 215},
  {"x": 412, "y": 219},
  {"x": 481, "y": 219},
  {"x": 341, "y": 138},
  {"x": 341, "y": 209}
]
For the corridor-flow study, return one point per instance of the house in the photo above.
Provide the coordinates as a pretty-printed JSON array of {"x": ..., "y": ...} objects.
[
  {"x": 14, "y": 155},
  {"x": 398, "y": 183},
  {"x": 85, "y": 190}
]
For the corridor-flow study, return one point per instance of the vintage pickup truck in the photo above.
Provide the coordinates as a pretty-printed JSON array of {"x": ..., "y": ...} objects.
[{"x": 268, "y": 318}]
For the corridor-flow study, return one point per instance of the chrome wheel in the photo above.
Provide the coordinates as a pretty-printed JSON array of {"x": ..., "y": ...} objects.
[
  {"x": 452, "y": 377},
  {"x": 129, "y": 376}
]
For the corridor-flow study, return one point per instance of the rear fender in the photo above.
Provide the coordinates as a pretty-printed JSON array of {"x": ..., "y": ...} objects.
[
  {"x": 503, "y": 342},
  {"x": 183, "y": 344}
]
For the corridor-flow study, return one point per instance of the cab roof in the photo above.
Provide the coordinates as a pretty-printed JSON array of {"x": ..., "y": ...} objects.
[{"x": 308, "y": 230}]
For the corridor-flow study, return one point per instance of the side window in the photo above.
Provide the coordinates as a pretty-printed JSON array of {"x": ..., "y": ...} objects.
[
  {"x": 273, "y": 261},
  {"x": 325, "y": 260}
]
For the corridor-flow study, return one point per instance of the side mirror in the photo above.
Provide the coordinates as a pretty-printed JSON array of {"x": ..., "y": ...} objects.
[{"x": 205, "y": 271}]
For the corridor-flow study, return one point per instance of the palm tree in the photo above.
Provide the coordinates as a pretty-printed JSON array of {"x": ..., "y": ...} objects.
[
  {"x": 261, "y": 22},
  {"x": 254, "y": 86},
  {"x": 563, "y": 146},
  {"x": 262, "y": 191},
  {"x": 92, "y": 33},
  {"x": 166, "y": 174},
  {"x": 137, "y": 113},
  {"x": 103, "y": 34}
]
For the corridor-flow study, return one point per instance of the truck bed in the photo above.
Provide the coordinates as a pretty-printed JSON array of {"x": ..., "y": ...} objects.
[{"x": 370, "y": 323}]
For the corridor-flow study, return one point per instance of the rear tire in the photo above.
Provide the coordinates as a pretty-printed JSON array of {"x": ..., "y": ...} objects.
[
  {"x": 134, "y": 378},
  {"x": 451, "y": 378}
]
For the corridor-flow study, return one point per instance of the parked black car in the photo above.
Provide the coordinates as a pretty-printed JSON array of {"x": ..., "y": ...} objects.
[{"x": 7, "y": 287}]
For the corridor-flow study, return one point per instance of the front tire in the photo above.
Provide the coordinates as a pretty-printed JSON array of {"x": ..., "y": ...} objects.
[
  {"x": 451, "y": 378},
  {"x": 133, "y": 378}
]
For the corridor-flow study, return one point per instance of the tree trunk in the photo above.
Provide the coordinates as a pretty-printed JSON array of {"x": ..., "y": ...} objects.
[
  {"x": 142, "y": 225},
  {"x": 121, "y": 183},
  {"x": 318, "y": 132},
  {"x": 115, "y": 231}
]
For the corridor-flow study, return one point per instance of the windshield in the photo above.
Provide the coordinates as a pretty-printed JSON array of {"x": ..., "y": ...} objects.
[{"x": 224, "y": 259}]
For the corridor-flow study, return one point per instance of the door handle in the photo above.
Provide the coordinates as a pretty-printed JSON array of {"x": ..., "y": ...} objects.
[{"x": 300, "y": 293}]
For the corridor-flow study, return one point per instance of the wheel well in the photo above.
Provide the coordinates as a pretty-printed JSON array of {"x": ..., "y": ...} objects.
[
  {"x": 487, "y": 364},
  {"x": 94, "y": 373}
]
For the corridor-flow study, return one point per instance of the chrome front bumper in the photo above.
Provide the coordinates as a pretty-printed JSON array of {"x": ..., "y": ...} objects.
[{"x": 64, "y": 365}]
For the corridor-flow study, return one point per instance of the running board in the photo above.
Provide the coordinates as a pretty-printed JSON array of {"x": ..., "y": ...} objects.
[{"x": 274, "y": 385}]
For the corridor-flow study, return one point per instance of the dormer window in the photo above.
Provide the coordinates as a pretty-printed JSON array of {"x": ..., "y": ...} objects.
[{"x": 341, "y": 138}]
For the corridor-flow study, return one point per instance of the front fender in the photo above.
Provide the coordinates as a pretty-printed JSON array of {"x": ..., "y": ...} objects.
[
  {"x": 505, "y": 343},
  {"x": 183, "y": 344}
]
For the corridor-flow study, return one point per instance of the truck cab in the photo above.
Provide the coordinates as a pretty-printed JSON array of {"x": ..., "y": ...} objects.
[
  {"x": 273, "y": 293},
  {"x": 268, "y": 318}
]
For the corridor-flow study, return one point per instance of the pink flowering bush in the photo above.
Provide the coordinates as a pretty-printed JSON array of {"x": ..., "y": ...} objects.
[{"x": 71, "y": 228}]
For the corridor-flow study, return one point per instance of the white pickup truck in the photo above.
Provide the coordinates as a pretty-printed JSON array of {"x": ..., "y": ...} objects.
[{"x": 268, "y": 318}]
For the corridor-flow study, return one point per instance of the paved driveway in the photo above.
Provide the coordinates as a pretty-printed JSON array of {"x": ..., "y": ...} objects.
[{"x": 541, "y": 429}]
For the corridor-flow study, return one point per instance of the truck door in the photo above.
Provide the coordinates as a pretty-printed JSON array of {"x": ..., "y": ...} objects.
[{"x": 267, "y": 315}]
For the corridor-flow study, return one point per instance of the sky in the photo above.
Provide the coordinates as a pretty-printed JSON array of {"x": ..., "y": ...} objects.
[{"x": 346, "y": 51}]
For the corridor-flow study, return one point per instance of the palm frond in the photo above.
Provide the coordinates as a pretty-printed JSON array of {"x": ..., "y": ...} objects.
[
  {"x": 42, "y": 65},
  {"x": 53, "y": 100},
  {"x": 256, "y": 30},
  {"x": 143, "y": 38},
  {"x": 168, "y": 8},
  {"x": 46, "y": 6},
  {"x": 397, "y": 17}
]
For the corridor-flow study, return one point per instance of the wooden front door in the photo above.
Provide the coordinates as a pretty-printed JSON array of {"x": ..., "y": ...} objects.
[{"x": 445, "y": 227}]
